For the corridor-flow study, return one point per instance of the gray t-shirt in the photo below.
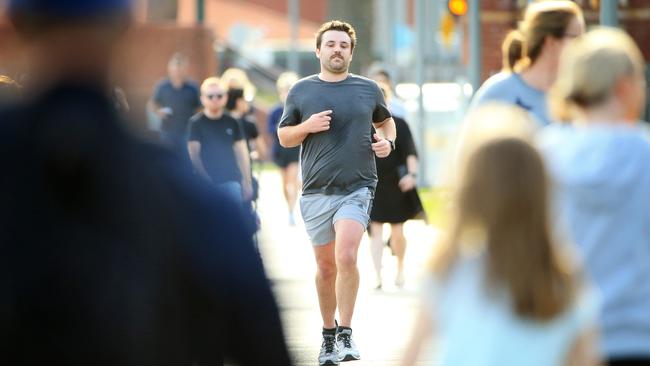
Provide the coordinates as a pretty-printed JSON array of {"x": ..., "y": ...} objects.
[{"x": 340, "y": 160}]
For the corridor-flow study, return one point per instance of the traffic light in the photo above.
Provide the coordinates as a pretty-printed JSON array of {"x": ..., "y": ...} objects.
[{"x": 457, "y": 7}]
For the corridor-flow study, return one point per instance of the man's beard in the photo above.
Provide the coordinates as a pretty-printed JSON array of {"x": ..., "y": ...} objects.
[{"x": 337, "y": 68}]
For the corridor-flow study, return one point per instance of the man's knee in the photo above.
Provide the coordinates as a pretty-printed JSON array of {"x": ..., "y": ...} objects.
[
  {"x": 346, "y": 259},
  {"x": 326, "y": 268}
]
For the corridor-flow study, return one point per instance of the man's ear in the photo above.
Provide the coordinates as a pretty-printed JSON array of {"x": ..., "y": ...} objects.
[{"x": 318, "y": 53}]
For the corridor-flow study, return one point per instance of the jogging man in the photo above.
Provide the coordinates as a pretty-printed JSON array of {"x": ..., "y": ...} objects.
[{"x": 332, "y": 114}]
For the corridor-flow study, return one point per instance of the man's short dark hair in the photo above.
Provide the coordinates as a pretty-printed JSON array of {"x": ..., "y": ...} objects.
[{"x": 336, "y": 25}]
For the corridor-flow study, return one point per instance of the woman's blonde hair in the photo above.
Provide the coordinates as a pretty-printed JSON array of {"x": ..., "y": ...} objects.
[
  {"x": 590, "y": 68},
  {"x": 285, "y": 81},
  {"x": 502, "y": 196},
  {"x": 542, "y": 19},
  {"x": 512, "y": 50},
  {"x": 236, "y": 78}
]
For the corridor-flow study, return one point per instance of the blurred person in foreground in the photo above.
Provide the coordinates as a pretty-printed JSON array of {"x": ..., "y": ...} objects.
[
  {"x": 396, "y": 198},
  {"x": 174, "y": 101},
  {"x": 285, "y": 158},
  {"x": 531, "y": 54},
  {"x": 600, "y": 165},
  {"x": 111, "y": 253},
  {"x": 501, "y": 291},
  {"x": 217, "y": 145},
  {"x": 331, "y": 116}
]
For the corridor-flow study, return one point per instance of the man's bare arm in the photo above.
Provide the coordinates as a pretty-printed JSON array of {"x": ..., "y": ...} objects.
[
  {"x": 292, "y": 136},
  {"x": 385, "y": 131},
  {"x": 194, "y": 148}
]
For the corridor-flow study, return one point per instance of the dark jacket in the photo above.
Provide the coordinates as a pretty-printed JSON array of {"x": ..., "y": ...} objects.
[{"x": 110, "y": 254}]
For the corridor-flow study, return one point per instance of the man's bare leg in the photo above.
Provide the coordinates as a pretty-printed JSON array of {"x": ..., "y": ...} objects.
[
  {"x": 348, "y": 238},
  {"x": 326, "y": 282}
]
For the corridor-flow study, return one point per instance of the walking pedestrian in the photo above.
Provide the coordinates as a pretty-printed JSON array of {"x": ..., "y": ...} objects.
[
  {"x": 547, "y": 27},
  {"x": 111, "y": 253},
  {"x": 217, "y": 146},
  {"x": 285, "y": 158},
  {"x": 238, "y": 108},
  {"x": 331, "y": 115},
  {"x": 501, "y": 291},
  {"x": 175, "y": 100},
  {"x": 396, "y": 198},
  {"x": 600, "y": 165}
]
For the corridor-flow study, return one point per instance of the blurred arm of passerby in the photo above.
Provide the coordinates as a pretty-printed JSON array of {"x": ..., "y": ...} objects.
[
  {"x": 160, "y": 111},
  {"x": 119, "y": 98},
  {"x": 260, "y": 151},
  {"x": 584, "y": 351},
  {"x": 409, "y": 181},
  {"x": 243, "y": 161},
  {"x": 421, "y": 334},
  {"x": 194, "y": 149}
]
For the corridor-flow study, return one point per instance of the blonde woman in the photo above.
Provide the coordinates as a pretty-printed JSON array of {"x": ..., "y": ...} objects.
[
  {"x": 531, "y": 54},
  {"x": 499, "y": 291},
  {"x": 600, "y": 164}
]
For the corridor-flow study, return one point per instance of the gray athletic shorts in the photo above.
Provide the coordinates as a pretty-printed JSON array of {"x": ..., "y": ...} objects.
[{"x": 320, "y": 212}]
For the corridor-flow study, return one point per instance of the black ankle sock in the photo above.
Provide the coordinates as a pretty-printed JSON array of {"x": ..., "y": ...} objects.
[
  {"x": 331, "y": 331},
  {"x": 342, "y": 327}
]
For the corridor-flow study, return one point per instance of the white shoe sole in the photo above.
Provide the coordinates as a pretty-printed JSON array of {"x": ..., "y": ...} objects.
[{"x": 349, "y": 357}]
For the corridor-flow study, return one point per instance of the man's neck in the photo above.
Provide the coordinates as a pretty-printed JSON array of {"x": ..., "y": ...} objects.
[
  {"x": 213, "y": 114},
  {"x": 331, "y": 77}
]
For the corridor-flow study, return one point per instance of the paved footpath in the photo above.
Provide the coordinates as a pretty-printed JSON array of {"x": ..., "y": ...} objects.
[{"x": 383, "y": 319}]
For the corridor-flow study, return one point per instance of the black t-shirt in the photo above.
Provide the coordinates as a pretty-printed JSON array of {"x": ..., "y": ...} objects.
[
  {"x": 340, "y": 160},
  {"x": 249, "y": 130},
  {"x": 183, "y": 103},
  {"x": 217, "y": 138}
]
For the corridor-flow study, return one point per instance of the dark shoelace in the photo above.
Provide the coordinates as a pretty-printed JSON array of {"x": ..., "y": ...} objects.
[
  {"x": 328, "y": 343},
  {"x": 346, "y": 340}
]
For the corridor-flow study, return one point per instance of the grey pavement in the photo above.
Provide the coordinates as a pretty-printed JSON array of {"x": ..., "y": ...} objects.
[{"x": 383, "y": 319}]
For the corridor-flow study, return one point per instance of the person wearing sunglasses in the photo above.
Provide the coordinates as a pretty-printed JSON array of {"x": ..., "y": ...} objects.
[{"x": 216, "y": 145}]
